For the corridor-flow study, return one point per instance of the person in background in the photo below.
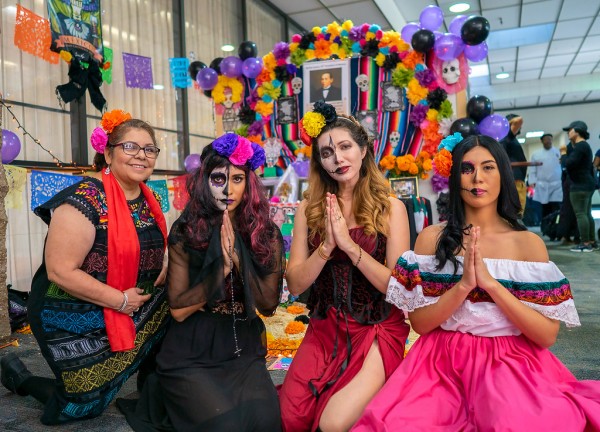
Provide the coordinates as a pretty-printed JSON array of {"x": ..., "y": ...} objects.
[
  {"x": 225, "y": 263},
  {"x": 517, "y": 158},
  {"x": 487, "y": 303},
  {"x": 567, "y": 222},
  {"x": 580, "y": 171},
  {"x": 98, "y": 305},
  {"x": 348, "y": 232},
  {"x": 546, "y": 178}
]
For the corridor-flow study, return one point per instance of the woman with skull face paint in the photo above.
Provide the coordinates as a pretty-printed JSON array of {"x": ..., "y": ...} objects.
[
  {"x": 348, "y": 232},
  {"x": 225, "y": 262},
  {"x": 487, "y": 302}
]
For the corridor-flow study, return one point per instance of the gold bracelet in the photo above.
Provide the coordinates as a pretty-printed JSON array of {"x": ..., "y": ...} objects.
[
  {"x": 321, "y": 253},
  {"x": 359, "y": 256}
]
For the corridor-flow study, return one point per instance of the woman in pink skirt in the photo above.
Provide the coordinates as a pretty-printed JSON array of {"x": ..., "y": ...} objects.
[{"x": 487, "y": 303}]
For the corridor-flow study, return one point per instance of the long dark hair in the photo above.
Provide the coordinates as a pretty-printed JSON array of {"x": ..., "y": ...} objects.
[
  {"x": 450, "y": 242},
  {"x": 201, "y": 215}
]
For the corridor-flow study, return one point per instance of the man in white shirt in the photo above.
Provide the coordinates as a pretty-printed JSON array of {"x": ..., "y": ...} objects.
[{"x": 546, "y": 178}]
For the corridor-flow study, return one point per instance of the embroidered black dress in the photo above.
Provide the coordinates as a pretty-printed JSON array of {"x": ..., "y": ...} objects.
[
  {"x": 210, "y": 377},
  {"x": 71, "y": 332}
]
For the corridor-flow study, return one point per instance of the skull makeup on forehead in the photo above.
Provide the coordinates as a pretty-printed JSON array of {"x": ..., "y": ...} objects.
[
  {"x": 451, "y": 71},
  {"x": 218, "y": 183},
  {"x": 362, "y": 81},
  {"x": 297, "y": 85}
]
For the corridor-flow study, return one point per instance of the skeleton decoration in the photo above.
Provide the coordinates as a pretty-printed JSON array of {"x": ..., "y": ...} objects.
[
  {"x": 297, "y": 85},
  {"x": 362, "y": 81},
  {"x": 451, "y": 71},
  {"x": 272, "y": 150},
  {"x": 394, "y": 139}
]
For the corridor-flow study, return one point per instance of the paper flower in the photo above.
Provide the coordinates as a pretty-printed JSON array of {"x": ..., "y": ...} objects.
[
  {"x": 225, "y": 145},
  {"x": 99, "y": 139},
  {"x": 313, "y": 122},
  {"x": 258, "y": 157},
  {"x": 242, "y": 152},
  {"x": 442, "y": 163},
  {"x": 114, "y": 118}
]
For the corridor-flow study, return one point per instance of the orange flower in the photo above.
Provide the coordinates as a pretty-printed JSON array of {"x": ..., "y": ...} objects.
[
  {"x": 388, "y": 162},
  {"x": 265, "y": 75},
  {"x": 114, "y": 118},
  {"x": 413, "y": 169},
  {"x": 427, "y": 165},
  {"x": 322, "y": 49},
  {"x": 296, "y": 310},
  {"x": 412, "y": 59},
  {"x": 294, "y": 327},
  {"x": 255, "y": 139},
  {"x": 443, "y": 162}
]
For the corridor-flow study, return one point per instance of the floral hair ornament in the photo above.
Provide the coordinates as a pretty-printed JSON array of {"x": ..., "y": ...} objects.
[
  {"x": 442, "y": 161},
  {"x": 314, "y": 121},
  {"x": 110, "y": 120},
  {"x": 240, "y": 150}
]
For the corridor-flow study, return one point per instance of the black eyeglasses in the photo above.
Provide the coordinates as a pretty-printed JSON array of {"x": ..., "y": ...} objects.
[{"x": 132, "y": 149}]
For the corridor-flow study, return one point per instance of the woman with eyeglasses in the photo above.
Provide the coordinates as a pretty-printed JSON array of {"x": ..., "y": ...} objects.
[{"x": 98, "y": 304}]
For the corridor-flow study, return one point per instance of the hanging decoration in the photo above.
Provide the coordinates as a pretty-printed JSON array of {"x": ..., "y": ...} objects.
[
  {"x": 82, "y": 78},
  {"x": 11, "y": 146},
  {"x": 138, "y": 71},
  {"x": 32, "y": 35},
  {"x": 77, "y": 28},
  {"x": 160, "y": 188},
  {"x": 178, "y": 67},
  {"x": 180, "y": 194},
  {"x": 44, "y": 185},
  {"x": 16, "y": 177},
  {"x": 107, "y": 66}
]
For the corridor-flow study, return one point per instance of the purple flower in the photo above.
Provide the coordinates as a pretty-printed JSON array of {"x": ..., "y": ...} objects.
[
  {"x": 258, "y": 157},
  {"x": 355, "y": 33},
  {"x": 226, "y": 144},
  {"x": 253, "y": 98},
  {"x": 418, "y": 114},
  {"x": 425, "y": 77},
  {"x": 439, "y": 183},
  {"x": 292, "y": 69},
  {"x": 281, "y": 50},
  {"x": 255, "y": 128}
]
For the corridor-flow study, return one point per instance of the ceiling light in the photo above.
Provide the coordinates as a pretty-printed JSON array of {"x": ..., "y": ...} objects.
[
  {"x": 534, "y": 134},
  {"x": 521, "y": 140},
  {"x": 479, "y": 71},
  {"x": 502, "y": 75},
  {"x": 227, "y": 47},
  {"x": 158, "y": 86},
  {"x": 459, "y": 7}
]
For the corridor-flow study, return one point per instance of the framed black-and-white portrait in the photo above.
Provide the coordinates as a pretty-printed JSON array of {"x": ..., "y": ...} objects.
[
  {"x": 368, "y": 120},
  {"x": 287, "y": 110},
  {"x": 405, "y": 187},
  {"x": 393, "y": 97},
  {"x": 327, "y": 80}
]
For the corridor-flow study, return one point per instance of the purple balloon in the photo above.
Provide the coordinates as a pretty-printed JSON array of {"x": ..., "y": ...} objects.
[
  {"x": 192, "y": 162},
  {"x": 231, "y": 67},
  {"x": 448, "y": 46},
  {"x": 207, "y": 78},
  {"x": 437, "y": 34},
  {"x": 457, "y": 23},
  {"x": 495, "y": 126},
  {"x": 476, "y": 53},
  {"x": 11, "y": 146},
  {"x": 252, "y": 67},
  {"x": 431, "y": 18},
  {"x": 409, "y": 30}
]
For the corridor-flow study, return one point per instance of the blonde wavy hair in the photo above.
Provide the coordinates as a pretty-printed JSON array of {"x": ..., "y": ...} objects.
[{"x": 371, "y": 193}]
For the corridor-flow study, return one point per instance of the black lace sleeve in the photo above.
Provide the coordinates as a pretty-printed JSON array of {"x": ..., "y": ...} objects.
[
  {"x": 87, "y": 196},
  {"x": 196, "y": 276}
]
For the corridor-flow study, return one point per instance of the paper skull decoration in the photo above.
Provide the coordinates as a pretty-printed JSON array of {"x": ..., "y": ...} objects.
[
  {"x": 451, "y": 71},
  {"x": 362, "y": 81},
  {"x": 272, "y": 150},
  {"x": 297, "y": 85},
  {"x": 394, "y": 138}
]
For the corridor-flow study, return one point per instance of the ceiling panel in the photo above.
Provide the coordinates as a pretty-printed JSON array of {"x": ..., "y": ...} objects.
[
  {"x": 504, "y": 104},
  {"x": 582, "y": 69},
  {"x": 361, "y": 12},
  {"x": 587, "y": 57},
  {"x": 564, "y": 46},
  {"x": 294, "y": 6},
  {"x": 575, "y": 97},
  {"x": 308, "y": 20},
  {"x": 496, "y": 68},
  {"x": 572, "y": 28},
  {"x": 502, "y": 19},
  {"x": 527, "y": 101},
  {"x": 529, "y": 64},
  {"x": 553, "y": 72},
  {"x": 550, "y": 99},
  {"x": 540, "y": 12},
  {"x": 559, "y": 60},
  {"x": 595, "y": 95},
  {"x": 508, "y": 54},
  {"x": 591, "y": 43},
  {"x": 492, "y": 4},
  {"x": 533, "y": 51},
  {"x": 595, "y": 29},
  {"x": 573, "y": 9},
  {"x": 528, "y": 75}
]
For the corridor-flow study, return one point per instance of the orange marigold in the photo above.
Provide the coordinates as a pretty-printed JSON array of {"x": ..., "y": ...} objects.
[
  {"x": 296, "y": 310},
  {"x": 413, "y": 169},
  {"x": 443, "y": 162},
  {"x": 322, "y": 49},
  {"x": 114, "y": 118},
  {"x": 294, "y": 327},
  {"x": 388, "y": 162},
  {"x": 412, "y": 59}
]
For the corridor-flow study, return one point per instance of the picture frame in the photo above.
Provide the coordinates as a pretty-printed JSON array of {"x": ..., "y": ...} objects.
[
  {"x": 270, "y": 183},
  {"x": 302, "y": 186},
  {"x": 287, "y": 110},
  {"x": 314, "y": 74},
  {"x": 393, "y": 97},
  {"x": 405, "y": 187},
  {"x": 368, "y": 120}
]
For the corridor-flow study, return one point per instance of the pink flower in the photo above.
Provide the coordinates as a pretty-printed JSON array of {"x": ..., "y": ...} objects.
[
  {"x": 242, "y": 152},
  {"x": 99, "y": 139}
]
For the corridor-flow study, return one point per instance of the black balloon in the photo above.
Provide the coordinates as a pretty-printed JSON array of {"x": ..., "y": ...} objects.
[
  {"x": 207, "y": 93},
  {"x": 465, "y": 126},
  {"x": 479, "y": 107},
  {"x": 423, "y": 40},
  {"x": 194, "y": 68},
  {"x": 247, "y": 49},
  {"x": 475, "y": 30},
  {"x": 216, "y": 64}
]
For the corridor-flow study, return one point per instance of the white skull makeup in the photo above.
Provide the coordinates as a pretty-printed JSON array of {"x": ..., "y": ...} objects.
[
  {"x": 329, "y": 160},
  {"x": 218, "y": 182},
  {"x": 362, "y": 81},
  {"x": 297, "y": 85},
  {"x": 451, "y": 71}
]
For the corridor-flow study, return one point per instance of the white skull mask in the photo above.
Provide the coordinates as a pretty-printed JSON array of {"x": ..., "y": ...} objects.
[
  {"x": 394, "y": 138},
  {"x": 362, "y": 81},
  {"x": 451, "y": 71},
  {"x": 297, "y": 85}
]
